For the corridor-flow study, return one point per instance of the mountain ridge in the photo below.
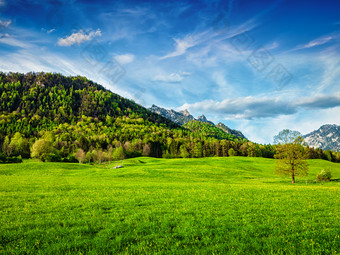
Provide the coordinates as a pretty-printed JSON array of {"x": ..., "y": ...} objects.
[
  {"x": 183, "y": 117},
  {"x": 327, "y": 137}
]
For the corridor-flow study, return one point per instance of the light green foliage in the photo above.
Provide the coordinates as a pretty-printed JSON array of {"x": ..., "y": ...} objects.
[
  {"x": 18, "y": 145},
  {"x": 81, "y": 156},
  {"x": 324, "y": 175},
  {"x": 74, "y": 112},
  {"x": 210, "y": 130},
  {"x": 41, "y": 148},
  {"x": 290, "y": 158},
  {"x": 232, "y": 152},
  {"x": 5, "y": 146},
  {"x": 184, "y": 152},
  {"x": 118, "y": 153},
  {"x": 230, "y": 205}
]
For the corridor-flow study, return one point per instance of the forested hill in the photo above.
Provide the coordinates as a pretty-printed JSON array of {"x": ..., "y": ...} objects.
[
  {"x": 43, "y": 100},
  {"x": 209, "y": 130},
  {"x": 57, "y": 118},
  {"x": 52, "y": 117}
]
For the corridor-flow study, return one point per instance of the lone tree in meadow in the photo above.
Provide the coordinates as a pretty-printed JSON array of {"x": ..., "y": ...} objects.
[{"x": 289, "y": 155}]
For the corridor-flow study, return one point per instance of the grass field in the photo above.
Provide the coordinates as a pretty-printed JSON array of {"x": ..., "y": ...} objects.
[{"x": 180, "y": 206}]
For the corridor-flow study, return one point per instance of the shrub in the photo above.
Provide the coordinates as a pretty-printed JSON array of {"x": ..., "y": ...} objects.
[
  {"x": 41, "y": 148},
  {"x": 232, "y": 152},
  {"x": 324, "y": 175},
  {"x": 52, "y": 157},
  {"x": 6, "y": 160}
]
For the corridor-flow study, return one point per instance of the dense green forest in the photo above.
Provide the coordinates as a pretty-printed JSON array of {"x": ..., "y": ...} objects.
[
  {"x": 57, "y": 118},
  {"x": 208, "y": 129}
]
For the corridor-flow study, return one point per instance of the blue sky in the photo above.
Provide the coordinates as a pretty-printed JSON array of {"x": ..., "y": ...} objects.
[{"x": 256, "y": 66}]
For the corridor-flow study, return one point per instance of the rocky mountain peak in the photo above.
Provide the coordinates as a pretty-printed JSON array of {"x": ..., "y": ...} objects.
[
  {"x": 230, "y": 131},
  {"x": 327, "y": 137},
  {"x": 202, "y": 118},
  {"x": 180, "y": 118},
  {"x": 185, "y": 112},
  {"x": 184, "y": 117}
]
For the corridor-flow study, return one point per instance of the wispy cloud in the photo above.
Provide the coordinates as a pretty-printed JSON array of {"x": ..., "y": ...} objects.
[
  {"x": 11, "y": 41},
  {"x": 2, "y": 2},
  {"x": 125, "y": 58},
  {"x": 5, "y": 23},
  {"x": 257, "y": 107},
  {"x": 318, "y": 42},
  {"x": 78, "y": 38},
  {"x": 181, "y": 46},
  {"x": 171, "y": 78},
  {"x": 4, "y": 36},
  {"x": 50, "y": 31}
]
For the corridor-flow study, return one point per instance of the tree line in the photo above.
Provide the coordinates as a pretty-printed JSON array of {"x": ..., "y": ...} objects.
[{"x": 70, "y": 119}]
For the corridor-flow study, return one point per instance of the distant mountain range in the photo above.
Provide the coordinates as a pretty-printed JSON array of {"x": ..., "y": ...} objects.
[
  {"x": 183, "y": 117},
  {"x": 327, "y": 137}
]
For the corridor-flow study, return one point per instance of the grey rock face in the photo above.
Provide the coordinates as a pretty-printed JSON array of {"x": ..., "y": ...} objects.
[{"x": 327, "y": 137}]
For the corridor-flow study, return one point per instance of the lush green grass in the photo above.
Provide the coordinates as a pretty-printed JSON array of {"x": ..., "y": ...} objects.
[{"x": 180, "y": 206}]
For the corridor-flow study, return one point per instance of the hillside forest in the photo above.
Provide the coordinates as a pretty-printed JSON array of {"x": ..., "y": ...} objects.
[{"x": 69, "y": 119}]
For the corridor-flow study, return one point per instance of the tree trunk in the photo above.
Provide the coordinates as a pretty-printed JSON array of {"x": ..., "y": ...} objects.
[{"x": 293, "y": 178}]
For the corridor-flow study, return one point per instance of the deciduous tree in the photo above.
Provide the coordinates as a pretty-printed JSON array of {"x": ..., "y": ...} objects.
[
  {"x": 290, "y": 160},
  {"x": 81, "y": 156}
]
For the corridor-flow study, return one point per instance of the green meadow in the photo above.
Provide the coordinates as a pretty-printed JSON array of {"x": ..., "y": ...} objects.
[{"x": 231, "y": 205}]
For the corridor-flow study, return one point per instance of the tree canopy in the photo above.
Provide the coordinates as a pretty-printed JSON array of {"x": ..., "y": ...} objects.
[
  {"x": 290, "y": 158},
  {"x": 66, "y": 114}
]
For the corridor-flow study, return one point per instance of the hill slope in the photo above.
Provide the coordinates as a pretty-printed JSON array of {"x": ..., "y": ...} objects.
[
  {"x": 214, "y": 205},
  {"x": 210, "y": 130},
  {"x": 230, "y": 131},
  {"x": 71, "y": 113},
  {"x": 52, "y": 99}
]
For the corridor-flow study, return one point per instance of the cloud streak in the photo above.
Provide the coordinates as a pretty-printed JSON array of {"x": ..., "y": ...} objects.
[
  {"x": 171, "y": 78},
  {"x": 78, "y": 38},
  {"x": 125, "y": 59},
  {"x": 318, "y": 42},
  {"x": 5, "y": 23},
  {"x": 181, "y": 46},
  {"x": 255, "y": 107}
]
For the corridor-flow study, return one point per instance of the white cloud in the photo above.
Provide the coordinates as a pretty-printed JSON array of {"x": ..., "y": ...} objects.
[
  {"x": 7, "y": 39},
  {"x": 2, "y": 2},
  {"x": 50, "y": 31},
  {"x": 314, "y": 43},
  {"x": 172, "y": 78},
  {"x": 182, "y": 45},
  {"x": 37, "y": 60},
  {"x": 224, "y": 88},
  {"x": 331, "y": 72},
  {"x": 78, "y": 38},
  {"x": 4, "y": 36},
  {"x": 125, "y": 59},
  {"x": 318, "y": 42},
  {"x": 263, "y": 107},
  {"x": 5, "y": 23},
  {"x": 272, "y": 46}
]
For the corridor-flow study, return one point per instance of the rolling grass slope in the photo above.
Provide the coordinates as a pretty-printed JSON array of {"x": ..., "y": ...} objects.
[{"x": 182, "y": 206}]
